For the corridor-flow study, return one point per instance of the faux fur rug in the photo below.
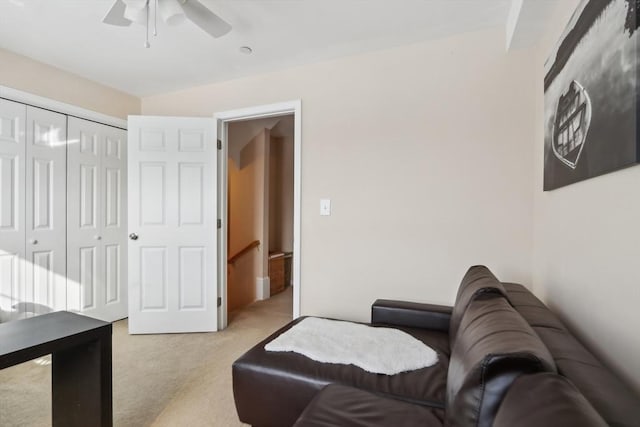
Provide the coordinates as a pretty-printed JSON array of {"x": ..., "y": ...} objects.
[{"x": 377, "y": 350}]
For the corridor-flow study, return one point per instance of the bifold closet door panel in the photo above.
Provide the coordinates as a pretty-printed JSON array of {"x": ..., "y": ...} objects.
[
  {"x": 45, "y": 252},
  {"x": 114, "y": 224},
  {"x": 12, "y": 203},
  {"x": 83, "y": 214},
  {"x": 96, "y": 223}
]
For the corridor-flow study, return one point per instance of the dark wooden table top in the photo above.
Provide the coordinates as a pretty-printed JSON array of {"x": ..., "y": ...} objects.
[{"x": 27, "y": 339}]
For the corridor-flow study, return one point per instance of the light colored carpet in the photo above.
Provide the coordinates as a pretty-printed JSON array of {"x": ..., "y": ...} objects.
[{"x": 158, "y": 380}]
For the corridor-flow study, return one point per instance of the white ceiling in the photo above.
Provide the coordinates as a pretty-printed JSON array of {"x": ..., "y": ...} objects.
[{"x": 283, "y": 33}]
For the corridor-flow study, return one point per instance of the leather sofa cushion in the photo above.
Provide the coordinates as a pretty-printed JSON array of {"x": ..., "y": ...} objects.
[
  {"x": 344, "y": 406},
  {"x": 614, "y": 400},
  {"x": 531, "y": 308},
  {"x": 545, "y": 400},
  {"x": 519, "y": 295},
  {"x": 273, "y": 388},
  {"x": 562, "y": 346},
  {"x": 478, "y": 280},
  {"x": 494, "y": 346}
]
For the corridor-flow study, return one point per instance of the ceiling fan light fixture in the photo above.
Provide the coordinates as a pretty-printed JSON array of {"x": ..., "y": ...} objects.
[
  {"x": 171, "y": 11},
  {"x": 115, "y": 15},
  {"x": 123, "y": 12},
  {"x": 135, "y": 4},
  {"x": 139, "y": 16}
]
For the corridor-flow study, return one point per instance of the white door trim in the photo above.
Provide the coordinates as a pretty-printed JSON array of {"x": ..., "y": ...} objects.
[
  {"x": 262, "y": 111},
  {"x": 60, "y": 107}
]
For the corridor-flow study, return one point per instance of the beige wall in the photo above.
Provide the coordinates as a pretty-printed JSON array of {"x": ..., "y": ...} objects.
[
  {"x": 586, "y": 268},
  {"x": 27, "y": 75},
  {"x": 425, "y": 151},
  {"x": 287, "y": 191},
  {"x": 281, "y": 194},
  {"x": 246, "y": 220}
]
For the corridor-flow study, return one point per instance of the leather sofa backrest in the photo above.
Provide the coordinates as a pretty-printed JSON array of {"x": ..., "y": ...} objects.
[
  {"x": 494, "y": 345},
  {"x": 545, "y": 400},
  {"x": 534, "y": 311},
  {"x": 614, "y": 400},
  {"x": 477, "y": 281}
]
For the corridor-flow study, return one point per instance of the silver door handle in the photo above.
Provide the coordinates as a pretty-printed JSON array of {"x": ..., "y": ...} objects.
[
  {"x": 97, "y": 237},
  {"x": 133, "y": 236},
  {"x": 33, "y": 241}
]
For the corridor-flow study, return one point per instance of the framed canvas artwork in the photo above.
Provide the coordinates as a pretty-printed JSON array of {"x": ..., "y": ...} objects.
[{"x": 591, "y": 94}]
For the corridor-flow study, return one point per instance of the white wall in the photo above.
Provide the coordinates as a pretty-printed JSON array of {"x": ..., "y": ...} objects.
[
  {"x": 587, "y": 245},
  {"x": 425, "y": 151},
  {"x": 28, "y": 75},
  {"x": 248, "y": 193}
]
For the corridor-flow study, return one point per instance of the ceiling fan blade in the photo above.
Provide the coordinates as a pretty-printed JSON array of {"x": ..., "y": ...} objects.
[
  {"x": 208, "y": 21},
  {"x": 115, "y": 16}
]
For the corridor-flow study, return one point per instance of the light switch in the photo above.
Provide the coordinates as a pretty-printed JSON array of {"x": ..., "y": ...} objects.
[{"x": 325, "y": 207}]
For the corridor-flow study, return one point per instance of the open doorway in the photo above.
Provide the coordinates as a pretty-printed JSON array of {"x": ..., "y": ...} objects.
[
  {"x": 260, "y": 205},
  {"x": 259, "y": 212}
]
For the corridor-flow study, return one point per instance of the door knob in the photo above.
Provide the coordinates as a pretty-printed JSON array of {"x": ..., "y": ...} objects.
[
  {"x": 133, "y": 236},
  {"x": 33, "y": 241},
  {"x": 97, "y": 237}
]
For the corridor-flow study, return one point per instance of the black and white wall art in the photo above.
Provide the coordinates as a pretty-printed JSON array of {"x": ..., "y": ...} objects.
[{"x": 591, "y": 94}]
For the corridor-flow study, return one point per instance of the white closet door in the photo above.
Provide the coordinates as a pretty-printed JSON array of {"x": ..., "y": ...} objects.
[
  {"x": 114, "y": 224},
  {"x": 83, "y": 215},
  {"x": 96, "y": 223},
  {"x": 12, "y": 203},
  {"x": 45, "y": 209}
]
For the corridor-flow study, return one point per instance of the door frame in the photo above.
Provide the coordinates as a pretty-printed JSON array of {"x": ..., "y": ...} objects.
[{"x": 220, "y": 131}]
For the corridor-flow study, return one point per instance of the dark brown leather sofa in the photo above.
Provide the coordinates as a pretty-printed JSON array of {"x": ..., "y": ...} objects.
[
  {"x": 537, "y": 400},
  {"x": 503, "y": 356}
]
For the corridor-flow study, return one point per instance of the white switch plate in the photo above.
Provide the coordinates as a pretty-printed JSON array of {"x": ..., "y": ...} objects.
[{"x": 325, "y": 207}]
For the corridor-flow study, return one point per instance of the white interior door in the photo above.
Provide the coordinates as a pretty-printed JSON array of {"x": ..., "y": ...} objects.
[
  {"x": 45, "y": 253},
  {"x": 172, "y": 225},
  {"x": 12, "y": 199},
  {"x": 96, "y": 222}
]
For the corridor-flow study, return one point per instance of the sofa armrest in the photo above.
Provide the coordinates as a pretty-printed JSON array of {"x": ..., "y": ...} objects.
[{"x": 411, "y": 314}]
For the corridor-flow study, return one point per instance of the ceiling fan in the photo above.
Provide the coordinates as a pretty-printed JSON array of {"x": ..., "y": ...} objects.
[{"x": 173, "y": 12}]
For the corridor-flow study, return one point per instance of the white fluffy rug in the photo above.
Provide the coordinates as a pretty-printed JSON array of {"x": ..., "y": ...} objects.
[{"x": 377, "y": 350}]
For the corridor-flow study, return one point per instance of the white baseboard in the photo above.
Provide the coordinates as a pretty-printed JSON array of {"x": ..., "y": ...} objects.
[{"x": 263, "y": 288}]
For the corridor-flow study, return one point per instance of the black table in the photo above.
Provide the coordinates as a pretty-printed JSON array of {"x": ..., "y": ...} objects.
[{"x": 80, "y": 349}]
